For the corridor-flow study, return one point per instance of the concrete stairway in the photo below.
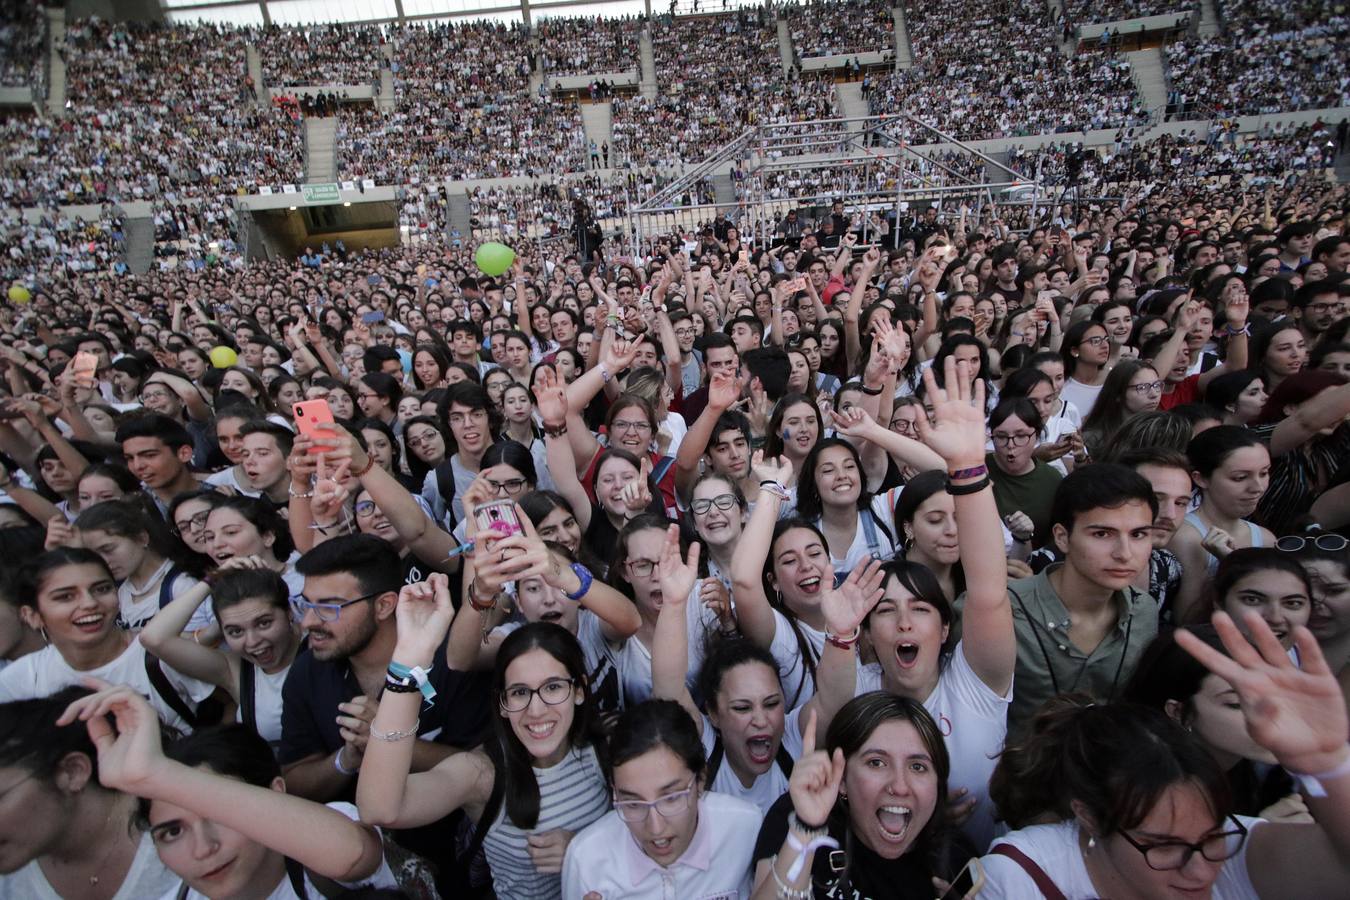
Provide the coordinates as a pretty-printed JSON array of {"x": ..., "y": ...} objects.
[
  {"x": 56, "y": 67},
  {"x": 255, "y": 71},
  {"x": 139, "y": 246},
  {"x": 1149, "y": 77},
  {"x": 457, "y": 212},
  {"x": 386, "y": 101},
  {"x": 320, "y": 149},
  {"x": 785, "y": 51},
  {"x": 1066, "y": 47},
  {"x": 724, "y": 190},
  {"x": 1209, "y": 19},
  {"x": 647, "y": 85},
  {"x": 850, "y": 103},
  {"x": 904, "y": 51},
  {"x": 596, "y": 119}
]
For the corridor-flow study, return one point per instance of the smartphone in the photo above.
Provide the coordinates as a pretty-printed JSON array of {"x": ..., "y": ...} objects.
[
  {"x": 793, "y": 285},
  {"x": 495, "y": 520},
  {"x": 967, "y": 883},
  {"x": 371, "y": 318},
  {"x": 82, "y": 368},
  {"x": 744, "y": 256},
  {"x": 310, "y": 418}
]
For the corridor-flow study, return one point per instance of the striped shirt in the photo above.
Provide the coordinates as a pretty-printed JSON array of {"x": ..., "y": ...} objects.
[{"x": 572, "y": 795}]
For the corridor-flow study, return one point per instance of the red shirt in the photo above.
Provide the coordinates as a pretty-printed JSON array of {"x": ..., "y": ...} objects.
[{"x": 1186, "y": 391}]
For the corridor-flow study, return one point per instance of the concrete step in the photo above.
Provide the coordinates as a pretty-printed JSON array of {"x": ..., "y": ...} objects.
[
  {"x": 56, "y": 66},
  {"x": 139, "y": 247},
  {"x": 724, "y": 190},
  {"x": 386, "y": 101},
  {"x": 850, "y": 103},
  {"x": 596, "y": 119},
  {"x": 785, "y": 50},
  {"x": 1147, "y": 66},
  {"x": 647, "y": 57},
  {"x": 1067, "y": 48},
  {"x": 904, "y": 50},
  {"x": 457, "y": 212},
  {"x": 255, "y": 71},
  {"x": 1210, "y": 23},
  {"x": 320, "y": 149}
]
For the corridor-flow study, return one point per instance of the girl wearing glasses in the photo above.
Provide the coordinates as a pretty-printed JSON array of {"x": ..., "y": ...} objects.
[
  {"x": 1022, "y": 483},
  {"x": 1141, "y": 809},
  {"x": 718, "y": 510},
  {"x": 252, "y": 605},
  {"x": 1132, "y": 387},
  {"x": 1085, "y": 352},
  {"x": 530, "y": 787},
  {"x": 216, "y": 808},
  {"x": 667, "y": 834},
  {"x": 70, "y": 597}
]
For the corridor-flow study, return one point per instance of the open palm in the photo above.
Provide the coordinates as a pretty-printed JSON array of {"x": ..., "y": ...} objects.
[{"x": 957, "y": 431}]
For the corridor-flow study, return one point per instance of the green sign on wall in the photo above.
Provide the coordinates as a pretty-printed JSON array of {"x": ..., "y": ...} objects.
[{"x": 324, "y": 192}]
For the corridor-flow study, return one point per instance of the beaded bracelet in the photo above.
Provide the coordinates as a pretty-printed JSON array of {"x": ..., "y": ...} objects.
[{"x": 393, "y": 736}]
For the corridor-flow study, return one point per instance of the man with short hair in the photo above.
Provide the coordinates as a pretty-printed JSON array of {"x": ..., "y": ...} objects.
[
  {"x": 1317, "y": 305},
  {"x": 1081, "y": 624},
  {"x": 1295, "y": 240},
  {"x": 1334, "y": 253},
  {"x": 266, "y": 445},
  {"x": 333, "y": 688},
  {"x": 719, "y": 355},
  {"x": 746, "y": 331},
  {"x": 158, "y": 451}
]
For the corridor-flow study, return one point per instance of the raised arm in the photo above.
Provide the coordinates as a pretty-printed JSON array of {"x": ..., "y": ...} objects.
[
  {"x": 754, "y": 615},
  {"x": 1327, "y": 409},
  {"x": 670, "y": 640},
  {"x": 958, "y": 436},
  {"x": 1235, "y": 307},
  {"x": 723, "y": 391},
  {"x": 552, "y": 404},
  {"x": 163, "y": 636},
  {"x": 844, "y": 608},
  {"x": 125, "y": 729}
]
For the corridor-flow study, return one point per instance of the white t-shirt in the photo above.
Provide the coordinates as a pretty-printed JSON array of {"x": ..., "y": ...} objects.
[
  {"x": 974, "y": 721},
  {"x": 383, "y": 877},
  {"x": 45, "y": 672},
  {"x": 606, "y": 859},
  {"x": 1056, "y": 850},
  {"x": 266, "y": 704},
  {"x": 227, "y": 478},
  {"x": 872, "y": 527},
  {"x": 147, "y": 877},
  {"x": 633, "y": 661},
  {"x": 1082, "y": 396},
  {"x": 138, "y": 604},
  {"x": 767, "y": 788}
]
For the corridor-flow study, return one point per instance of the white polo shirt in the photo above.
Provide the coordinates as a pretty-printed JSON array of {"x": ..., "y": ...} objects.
[{"x": 606, "y": 858}]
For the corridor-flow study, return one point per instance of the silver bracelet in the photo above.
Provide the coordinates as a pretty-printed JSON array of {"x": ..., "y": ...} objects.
[
  {"x": 394, "y": 736},
  {"x": 783, "y": 890},
  {"x": 337, "y": 763}
]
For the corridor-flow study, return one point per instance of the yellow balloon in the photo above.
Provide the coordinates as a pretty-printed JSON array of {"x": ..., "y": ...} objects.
[
  {"x": 19, "y": 294},
  {"x": 223, "y": 357}
]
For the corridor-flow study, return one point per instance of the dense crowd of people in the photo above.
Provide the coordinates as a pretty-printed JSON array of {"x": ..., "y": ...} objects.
[
  {"x": 836, "y": 27},
  {"x": 1085, "y": 12},
  {"x": 665, "y": 570},
  {"x": 321, "y": 54},
  {"x": 574, "y": 45},
  {"x": 23, "y": 35}
]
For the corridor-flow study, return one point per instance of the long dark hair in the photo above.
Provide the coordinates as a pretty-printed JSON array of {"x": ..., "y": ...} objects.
[
  {"x": 133, "y": 516},
  {"x": 917, "y": 492},
  {"x": 232, "y": 750},
  {"x": 808, "y": 495},
  {"x": 514, "y": 762},
  {"x": 782, "y": 527}
]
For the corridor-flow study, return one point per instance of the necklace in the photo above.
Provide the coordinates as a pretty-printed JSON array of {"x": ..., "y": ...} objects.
[{"x": 93, "y": 879}]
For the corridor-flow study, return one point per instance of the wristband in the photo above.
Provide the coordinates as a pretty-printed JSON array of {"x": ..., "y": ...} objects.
[
  {"x": 555, "y": 430},
  {"x": 605, "y": 375},
  {"x": 1312, "y": 784},
  {"x": 417, "y": 674},
  {"x": 844, "y": 642},
  {"x": 399, "y": 685},
  {"x": 972, "y": 472},
  {"x": 393, "y": 736},
  {"x": 477, "y": 604},
  {"x": 1234, "y": 332},
  {"x": 974, "y": 487},
  {"x": 370, "y": 463},
  {"x": 586, "y": 577},
  {"x": 337, "y": 763},
  {"x": 776, "y": 489},
  {"x": 818, "y": 842},
  {"x": 871, "y": 392}
]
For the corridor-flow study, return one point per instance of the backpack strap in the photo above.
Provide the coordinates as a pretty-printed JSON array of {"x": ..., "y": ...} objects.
[
  {"x": 445, "y": 486},
  {"x": 1049, "y": 890},
  {"x": 154, "y": 670},
  {"x": 489, "y": 815},
  {"x": 870, "y": 523},
  {"x": 296, "y": 873},
  {"x": 714, "y": 761},
  {"x": 784, "y": 760},
  {"x": 166, "y": 586},
  {"x": 662, "y": 467},
  {"x": 248, "y": 702}
]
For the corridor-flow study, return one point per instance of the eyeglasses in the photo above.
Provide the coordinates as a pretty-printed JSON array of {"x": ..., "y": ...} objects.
[
  {"x": 667, "y": 805},
  {"x": 329, "y": 610},
  {"x": 640, "y": 568},
  {"x": 1013, "y": 440},
  {"x": 554, "y": 692},
  {"x": 196, "y": 523},
  {"x": 422, "y": 440},
  {"x": 723, "y": 502},
  {"x": 154, "y": 395},
  {"x": 509, "y": 487},
  {"x": 1293, "y": 543},
  {"x": 1171, "y": 855},
  {"x": 904, "y": 426},
  {"x": 366, "y": 508},
  {"x": 630, "y": 426},
  {"x": 1096, "y": 340},
  {"x": 1148, "y": 387}
]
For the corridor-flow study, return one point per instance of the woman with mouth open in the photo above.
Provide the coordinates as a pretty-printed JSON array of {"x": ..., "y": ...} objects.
[
  {"x": 252, "y": 605},
  {"x": 748, "y": 734},
  {"x": 1265, "y": 581},
  {"x": 533, "y": 784}
]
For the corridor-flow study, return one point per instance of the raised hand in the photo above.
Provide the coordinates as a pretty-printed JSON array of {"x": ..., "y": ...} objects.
[
  {"x": 846, "y": 606},
  {"x": 619, "y": 355},
  {"x": 814, "y": 785},
  {"x": 60, "y": 533},
  {"x": 129, "y": 749},
  {"x": 330, "y": 497},
  {"x": 676, "y": 575},
  {"x": 723, "y": 391},
  {"x": 957, "y": 434},
  {"x": 853, "y": 422},
  {"x": 778, "y": 468},
  {"x": 1296, "y": 712},
  {"x": 423, "y": 616},
  {"x": 715, "y": 598},
  {"x": 550, "y": 397},
  {"x": 354, "y": 725}
]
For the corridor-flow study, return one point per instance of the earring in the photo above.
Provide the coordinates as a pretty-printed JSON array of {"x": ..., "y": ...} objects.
[
  {"x": 42, "y": 630},
  {"x": 1092, "y": 842}
]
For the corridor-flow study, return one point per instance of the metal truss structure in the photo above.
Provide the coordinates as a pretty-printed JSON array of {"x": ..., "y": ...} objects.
[{"x": 876, "y": 165}]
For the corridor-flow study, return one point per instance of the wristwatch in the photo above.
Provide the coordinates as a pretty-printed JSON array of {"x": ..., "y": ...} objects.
[{"x": 584, "y": 574}]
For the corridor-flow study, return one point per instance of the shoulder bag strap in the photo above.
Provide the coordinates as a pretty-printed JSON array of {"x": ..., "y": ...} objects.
[
  {"x": 160, "y": 682},
  {"x": 1043, "y": 882},
  {"x": 714, "y": 761},
  {"x": 248, "y": 705}
]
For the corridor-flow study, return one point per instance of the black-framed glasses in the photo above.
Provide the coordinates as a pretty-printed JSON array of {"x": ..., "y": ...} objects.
[
  {"x": 723, "y": 502},
  {"x": 1170, "y": 855},
  {"x": 195, "y": 523},
  {"x": 1096, "y": 340},
  {"x": 667, "y": 805},
  {"x": 510, "y": 487},
  {"x": 1012, "y": 440},
  {"x": 1148, "y": 387},
  {"x": 1293, "y": 543},
  {"x": 365, "y": 508},
  {"x": 640, "y": 568},
  {"x": 329, "y": 609},
  {"x": 554, "y": 692}
]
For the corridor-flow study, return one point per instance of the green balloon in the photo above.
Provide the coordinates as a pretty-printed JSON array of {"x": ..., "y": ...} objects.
[{"x": 494, "y": 258}]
